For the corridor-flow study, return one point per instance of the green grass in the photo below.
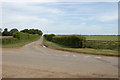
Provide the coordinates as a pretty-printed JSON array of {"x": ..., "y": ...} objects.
[{"x": 82, "y": 50}]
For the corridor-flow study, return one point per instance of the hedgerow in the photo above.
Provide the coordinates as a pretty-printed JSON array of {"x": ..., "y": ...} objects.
[
  {"x": 80, "y": 41},
  {"x": 49, "y": 36},
  {"x": 69, "y": 41},
  {"x": 98, "y": 44},
  {"x": 18, "y": 37}
]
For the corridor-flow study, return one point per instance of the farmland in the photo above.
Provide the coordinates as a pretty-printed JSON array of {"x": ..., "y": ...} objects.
[{"x": 100, "y": 37}]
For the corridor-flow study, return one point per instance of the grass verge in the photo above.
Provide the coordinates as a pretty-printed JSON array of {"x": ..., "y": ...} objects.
[{"x": 104, "y": 52}]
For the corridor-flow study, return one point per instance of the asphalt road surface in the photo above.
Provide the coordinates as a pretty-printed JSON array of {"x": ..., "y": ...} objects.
[{"x": 37, "y": 61}]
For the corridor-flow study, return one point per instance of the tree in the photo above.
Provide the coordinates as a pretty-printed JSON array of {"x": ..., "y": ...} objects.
[
  {"x": 25, "y": 31},
  {"x": 12, "y": 31},
  {"x": 6, "y": 32},
  {"x": 32, "y": 31},
  {"x": 38, "y": 32}
]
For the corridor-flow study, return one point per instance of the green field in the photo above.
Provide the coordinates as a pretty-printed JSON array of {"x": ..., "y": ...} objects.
[{"x": 100, "y": 37}]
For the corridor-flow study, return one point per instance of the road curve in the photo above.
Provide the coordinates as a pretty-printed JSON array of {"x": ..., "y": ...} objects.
[{"x": 36, "y": 61}]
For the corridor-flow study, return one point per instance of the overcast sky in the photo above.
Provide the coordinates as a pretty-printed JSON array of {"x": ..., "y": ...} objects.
[{"x": 96, "y": 18}]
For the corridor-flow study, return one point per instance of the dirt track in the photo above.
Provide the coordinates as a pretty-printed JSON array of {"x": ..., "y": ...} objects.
[{"x": 36, "y": 61}]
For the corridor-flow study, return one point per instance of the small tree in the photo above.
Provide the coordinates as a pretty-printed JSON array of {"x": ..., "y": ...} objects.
[
  {"x": 5, "y": 32},
  {"x": 12, "y": 31}
]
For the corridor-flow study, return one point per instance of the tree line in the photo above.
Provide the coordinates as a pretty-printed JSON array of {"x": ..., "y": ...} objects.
[{"x": 5, "y": 32}]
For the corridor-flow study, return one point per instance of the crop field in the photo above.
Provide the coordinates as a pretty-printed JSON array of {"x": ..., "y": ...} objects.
[{"x": 100, "y": 37}]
